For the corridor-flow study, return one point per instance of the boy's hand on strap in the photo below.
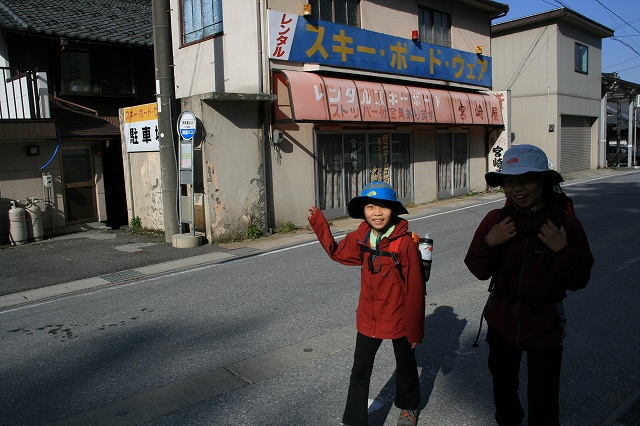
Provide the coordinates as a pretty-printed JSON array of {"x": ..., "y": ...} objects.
[
  {"x": 501, "y": 232},
  {"x": 554, "y": 238}
]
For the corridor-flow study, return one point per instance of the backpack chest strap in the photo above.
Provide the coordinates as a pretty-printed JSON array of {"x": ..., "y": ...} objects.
[{"x": 392, "y": 254}]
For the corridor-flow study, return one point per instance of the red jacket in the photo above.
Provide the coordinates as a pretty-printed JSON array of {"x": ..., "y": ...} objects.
[
  {"x": 529, "y": 279},
  {"x": 388, "y": 308}
]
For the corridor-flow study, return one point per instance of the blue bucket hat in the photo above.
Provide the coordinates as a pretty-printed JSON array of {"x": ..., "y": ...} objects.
[
  {"x": 378, "y": 193},
  {"x": 521, "y": 159}
]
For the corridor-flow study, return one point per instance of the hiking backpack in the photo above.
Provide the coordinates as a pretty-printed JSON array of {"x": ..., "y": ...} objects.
[
  {"x": 562, "y": 205},
  {"x": 394, "y": 248}
]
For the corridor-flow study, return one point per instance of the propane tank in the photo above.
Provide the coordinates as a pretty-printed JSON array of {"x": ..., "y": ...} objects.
[
  {"x": 18, "y": 234},
  {"x": 33, "y": 218}
]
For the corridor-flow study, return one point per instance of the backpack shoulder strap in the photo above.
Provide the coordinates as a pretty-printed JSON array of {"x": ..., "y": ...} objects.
[
  {"x": 507, "y": 210},
  {"x": 557, "y": 213},
  {"x": 394, "y": 248},
  {"x": 557, "y": 216}
]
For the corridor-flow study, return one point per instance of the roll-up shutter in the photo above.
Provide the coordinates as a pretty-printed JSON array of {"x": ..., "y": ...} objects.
[{"x": 575, "y": 143}]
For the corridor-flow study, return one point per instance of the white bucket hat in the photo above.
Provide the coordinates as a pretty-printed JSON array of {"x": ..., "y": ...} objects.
[{"x": 521, "y": 159}]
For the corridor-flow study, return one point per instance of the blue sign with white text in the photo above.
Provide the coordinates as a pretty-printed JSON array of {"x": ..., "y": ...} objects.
[
  {"x": 295, "y": 38},
  {"x": 187, "y": 125}
]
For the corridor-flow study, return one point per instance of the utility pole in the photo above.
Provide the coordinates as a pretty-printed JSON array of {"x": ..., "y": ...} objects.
[
  {"x": 618, "y": 125},
  {"x": 165, "y": 92}
]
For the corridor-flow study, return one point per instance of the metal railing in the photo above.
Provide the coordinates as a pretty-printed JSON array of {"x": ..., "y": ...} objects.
[{"x": 23, "y": 94}]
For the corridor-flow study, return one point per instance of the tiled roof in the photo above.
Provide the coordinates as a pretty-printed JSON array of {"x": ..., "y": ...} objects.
[
  {"x": 612, "y": 118},
  {"x": 111, "y": 21}
]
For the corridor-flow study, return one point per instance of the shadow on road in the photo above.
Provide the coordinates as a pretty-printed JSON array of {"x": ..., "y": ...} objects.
[{"x": 436, "y": 353}]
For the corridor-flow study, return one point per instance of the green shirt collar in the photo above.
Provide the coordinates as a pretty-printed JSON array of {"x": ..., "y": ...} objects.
[{"x": 374, "y": 240}]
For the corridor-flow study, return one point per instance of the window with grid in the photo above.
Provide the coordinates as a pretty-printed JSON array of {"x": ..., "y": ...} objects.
[
  {"x": 434, "y": 26},
  {"x": 201, "y": 19},
  {"x": 582, "y": 58},
  {"x": 345, "y": 12},
  {"x": 97, "y": 72}
]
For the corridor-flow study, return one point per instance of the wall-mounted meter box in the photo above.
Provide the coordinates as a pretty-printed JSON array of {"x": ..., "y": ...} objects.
[
  {"x": 47, "y": 180},
  {"x": 278, "y": 137}
]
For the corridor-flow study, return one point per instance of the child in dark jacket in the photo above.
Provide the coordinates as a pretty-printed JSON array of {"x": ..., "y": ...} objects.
[
  {"x": 531, "y": 262},
  {"x": 391, "y": 304}
]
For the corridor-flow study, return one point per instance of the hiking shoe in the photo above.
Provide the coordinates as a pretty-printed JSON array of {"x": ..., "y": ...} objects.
[{"x": 407, "y": 418}]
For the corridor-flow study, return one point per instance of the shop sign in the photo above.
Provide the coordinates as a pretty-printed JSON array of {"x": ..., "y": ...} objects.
[
  {"x": 296, "y": 38},
  {"x": 141, "y": 128}
]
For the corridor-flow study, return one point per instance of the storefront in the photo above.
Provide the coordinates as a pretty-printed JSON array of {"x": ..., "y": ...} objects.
[
  {"x": 365, "y": 130},
  {"x": 353, "y": 105}
]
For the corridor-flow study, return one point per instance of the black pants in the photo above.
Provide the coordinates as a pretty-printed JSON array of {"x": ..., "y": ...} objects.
[
  {"x": 407, "y": 381},
  {"x": 543, "y": 390}
]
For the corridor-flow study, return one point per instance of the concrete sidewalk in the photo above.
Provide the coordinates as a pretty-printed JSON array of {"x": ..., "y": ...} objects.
[{"x": 102, "y": 256}]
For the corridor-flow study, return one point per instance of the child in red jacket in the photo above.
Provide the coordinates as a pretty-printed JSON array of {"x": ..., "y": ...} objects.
[
  {"x": 391, "y": 303},
  {"x": 532, "y": 258}
]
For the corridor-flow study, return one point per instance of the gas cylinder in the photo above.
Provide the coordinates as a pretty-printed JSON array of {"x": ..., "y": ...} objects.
[
  {"x": 33, "y": 219},
  {"x": 18, "y": 234}
]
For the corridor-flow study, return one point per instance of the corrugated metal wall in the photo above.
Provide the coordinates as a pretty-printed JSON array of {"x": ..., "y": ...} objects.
[{"x": 575, "y": 143}]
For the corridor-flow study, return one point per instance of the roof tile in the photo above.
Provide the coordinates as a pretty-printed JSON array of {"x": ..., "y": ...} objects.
[{"x": 115, "y": 21}]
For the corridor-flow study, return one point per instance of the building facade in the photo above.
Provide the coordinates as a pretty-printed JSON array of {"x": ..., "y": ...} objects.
[
  {"x": 66, "y": 71},
  {"x": 551, "y": 63},
  {"x": 303, "y": 105}
]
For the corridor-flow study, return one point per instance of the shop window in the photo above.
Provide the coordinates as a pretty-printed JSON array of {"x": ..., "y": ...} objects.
[
  {"x": 348, "y": 161},
  {"x": 452, "y": 154},
  {"x": 434, "y": 26},
  {"x": 582, "y": 58},
  {"x": 345, "y": 12},
  {"x": 105, "y": 72},
  {"x": 201, "y": 19}
]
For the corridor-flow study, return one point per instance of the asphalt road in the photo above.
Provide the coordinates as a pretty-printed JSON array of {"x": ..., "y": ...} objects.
[{"x": 268, "y": 338}]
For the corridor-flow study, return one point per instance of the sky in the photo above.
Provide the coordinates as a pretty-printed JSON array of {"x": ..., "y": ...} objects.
[{"x": 620, "y": 53}]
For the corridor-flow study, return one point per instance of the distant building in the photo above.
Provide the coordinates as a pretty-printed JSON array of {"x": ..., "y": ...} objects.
[
  {"x": 621, "y": 100},
  {"x": 551, "y": 63}
]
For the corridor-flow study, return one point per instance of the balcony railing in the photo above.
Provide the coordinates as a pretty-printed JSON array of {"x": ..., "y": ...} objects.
[{"x": 24, "y": 94}]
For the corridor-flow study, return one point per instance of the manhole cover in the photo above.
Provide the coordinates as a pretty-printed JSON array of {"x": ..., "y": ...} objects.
[{"x": 122, "y": 275}]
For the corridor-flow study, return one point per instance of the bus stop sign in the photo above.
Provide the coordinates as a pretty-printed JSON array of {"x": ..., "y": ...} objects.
[{"x": 187, "y": 125}]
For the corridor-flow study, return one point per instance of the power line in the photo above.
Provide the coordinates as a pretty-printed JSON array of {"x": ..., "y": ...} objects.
[
  {"x": 622, "y": 28},
  {"x": 626, "y": 44},
  {"x": 620, "y": 63},
  {"x": 627, "y": 69}
]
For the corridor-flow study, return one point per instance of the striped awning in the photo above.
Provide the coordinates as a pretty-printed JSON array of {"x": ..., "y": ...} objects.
[{"x": 309, "y": 97}]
